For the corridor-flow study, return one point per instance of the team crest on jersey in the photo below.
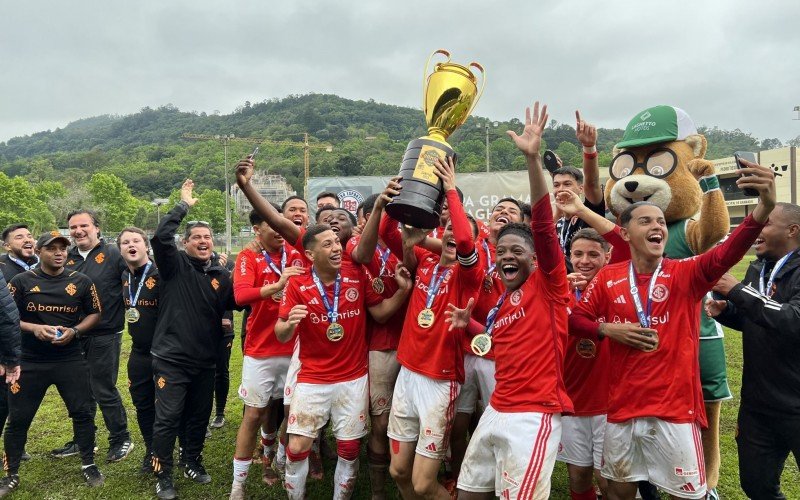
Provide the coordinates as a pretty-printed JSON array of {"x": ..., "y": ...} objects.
[
  {"x": 14, "y": 388},
  {"x": 351, "y": 294},
  {"x": 215, "y": 283},
  {"x": 660, "y": 292},
  {"x": 99, "y": 258},
  {"x": 292, "y": 419},
  {"x": 297, "y": 263},
  {"x": 161, "y": 382},
  {"x": 350, "y": 199},
  {"x": 71, "y": 289},
  {"x": 515, "y": 298},
  {"x": 150, "y": 283}
]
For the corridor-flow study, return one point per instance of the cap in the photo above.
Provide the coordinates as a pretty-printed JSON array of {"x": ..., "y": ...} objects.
[
  {"x": 49, "y": 237},
  {"x": 657, "y": 124}
]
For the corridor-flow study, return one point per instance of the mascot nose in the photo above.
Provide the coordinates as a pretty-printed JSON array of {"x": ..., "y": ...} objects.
[{"x": 631, "y": 186}]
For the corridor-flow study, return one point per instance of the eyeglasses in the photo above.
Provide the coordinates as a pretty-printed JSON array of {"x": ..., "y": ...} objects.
[{"x": 658, "y": 163}]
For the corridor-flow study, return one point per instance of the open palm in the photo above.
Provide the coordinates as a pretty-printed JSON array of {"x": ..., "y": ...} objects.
[{"x": 531, "y": 138}]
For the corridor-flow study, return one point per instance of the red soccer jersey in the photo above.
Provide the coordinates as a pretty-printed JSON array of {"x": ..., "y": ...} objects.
[
  {"x": 530, "y": 330},
  {"x": 323, "y": 361},
  {"x": 250, "y": 274},
  {"x": 664, "y": 383},
  {"x": 298, "y": 246},
  {"x": 586, "y": 366},
  {"x": 382, "y": 337}
]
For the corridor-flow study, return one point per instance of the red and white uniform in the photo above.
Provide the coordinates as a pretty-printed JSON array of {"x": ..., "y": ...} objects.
[
  {"x": 266, "y": 359},
  {"x": 528, "y": 337},
  {"x": 663, "y": 384}
]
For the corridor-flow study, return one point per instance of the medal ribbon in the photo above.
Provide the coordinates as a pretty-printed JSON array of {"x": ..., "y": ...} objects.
[
  {"x": 493, "y": 314},
  {"x": 384, "y": 258},
  {"x": 433, "y": 288},
  {"x": 333, "y": 310},
  {"x": 644, "y": 316},
  {"x": 133, "y": 298},
  {"x": 578, "y": 294},
  {"x": 489, "y": 262},
  {"x": 272, "y": 265},
  {"x": 562, "y": 237},
  {"x": 778, "y": 266},
  {"x": 21, "y": 263}
]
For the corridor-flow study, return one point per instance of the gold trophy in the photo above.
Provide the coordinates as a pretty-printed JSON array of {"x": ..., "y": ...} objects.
[{"x": 450, "y": 93}]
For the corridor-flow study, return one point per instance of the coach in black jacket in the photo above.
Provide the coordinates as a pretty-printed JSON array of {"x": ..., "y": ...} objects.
[
  {"x": 194, "y": 295},
  {"x": 766, "y": 309}
]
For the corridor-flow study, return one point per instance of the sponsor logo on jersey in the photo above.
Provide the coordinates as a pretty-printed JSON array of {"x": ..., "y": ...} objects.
[
  {"x": 620, "y": 300},
  {"x": 431, "y": 447},
  {"x": 36, "y": 289},
  {"x": 611, "y": 283},
  {"x": 507, "y": 478},
  {"x": 688, "y": 487},
  {"x": 322, "y": 318},
  {"x": 680, "y": 471},
  {"x": 431, "y": 433},
  {"x": 31, "y": 307}
]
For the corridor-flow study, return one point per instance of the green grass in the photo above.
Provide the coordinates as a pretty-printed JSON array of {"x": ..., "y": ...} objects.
[{"x": 48, "y": 478}]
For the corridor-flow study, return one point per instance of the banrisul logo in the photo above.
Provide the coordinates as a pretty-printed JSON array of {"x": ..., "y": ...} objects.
[{"x": 644, "y": 116}]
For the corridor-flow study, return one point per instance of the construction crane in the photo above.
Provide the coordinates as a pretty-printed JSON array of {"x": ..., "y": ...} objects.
[{"x": 226, "y": 139}]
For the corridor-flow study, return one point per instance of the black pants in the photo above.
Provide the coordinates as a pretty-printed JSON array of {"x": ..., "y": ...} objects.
[
  {"x": 182, "y": 392},
  {"x": 222, "y": 377},
  {"x": 3, "y": 406},
  {"x": 764, "y": 443},
  {"x": 143, "y": 393},
  {"x": 102, "y": 354},
  {"x": 71, "y": 378}
]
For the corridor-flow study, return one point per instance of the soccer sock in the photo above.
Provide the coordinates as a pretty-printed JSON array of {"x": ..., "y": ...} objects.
[
  {"x": 268, "y": 441},
  {"x": 586, "y": 495},
  {"x": 296, "y": 474},
  {"x": 344, "y": 479},
  {"x": 241, "y": 466},
  {"x": 280, "y": 456}
]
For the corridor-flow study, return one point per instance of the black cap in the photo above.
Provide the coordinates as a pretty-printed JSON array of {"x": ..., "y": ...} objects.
[{"x": 49, "y": 237}]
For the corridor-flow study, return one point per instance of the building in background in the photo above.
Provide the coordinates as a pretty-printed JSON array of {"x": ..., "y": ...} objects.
[{"x": 272, "y": 187}]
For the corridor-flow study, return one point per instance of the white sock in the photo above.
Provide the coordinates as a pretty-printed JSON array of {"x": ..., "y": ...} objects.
[
  {"x": 241, "y": 469},
  {"x": 295, "y": 479},
  {"x": 344, "y": 479},
  {"x": 280, "y": 457}
]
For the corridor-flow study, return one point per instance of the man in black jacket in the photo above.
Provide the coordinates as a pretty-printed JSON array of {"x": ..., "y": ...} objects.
[
  {"x": 103, "y": 264},
  {"x": 9, "y": 335},
  {"x": 766, "y": 309},
  {"x": 194, "y": 296}
]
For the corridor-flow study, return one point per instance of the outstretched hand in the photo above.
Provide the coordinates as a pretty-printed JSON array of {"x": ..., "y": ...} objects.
[
  {"x": 458, "y": 318},
  {"x": 585, "y": 132},
  {"x": 186, "y": 193},
  {"x": 531, "y": 138},
  {"x": 244, "y": 171}
]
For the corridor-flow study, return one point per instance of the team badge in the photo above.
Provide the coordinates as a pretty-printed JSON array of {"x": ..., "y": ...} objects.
[
  {"x": 161, "y": 382},
  {"x": 71, "y": 289},
  {"x": 660, "y": 293},
  {"x": 14, "y": 388},
  {"x": 99, "y": 258},
  {"x": 351, "y": 294},
  {"x": 516, "y": 297},
  {"x": 215, "y": 283},
  {"x": 150, "y": 283}
]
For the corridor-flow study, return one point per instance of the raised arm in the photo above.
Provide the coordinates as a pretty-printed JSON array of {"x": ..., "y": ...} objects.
[
  {"x": 391, "y": 236},
  {"x": 586, "y": 133},
  {"x": 365, "y": 250},
  {"x": 163, "y": 241},
  {"x": 286, "y": 228},
  {"x": 462, "y": 230},
  {"x": 529, "y": 143}
]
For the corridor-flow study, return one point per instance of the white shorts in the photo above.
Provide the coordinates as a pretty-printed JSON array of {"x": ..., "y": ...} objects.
[
  {"x": 512, "y": 454},
  {"x": 650, "y": 449},
  {"x": 345, "y": 403},
  {"x": 383, "y": 370},
  {"x": 582, "y": 441},
  {"x": 478, "y": 383},
  {"x": 262, "y": 380},
  {"x": 423, "y": 411},
  {"x": 291, "y": 375}
]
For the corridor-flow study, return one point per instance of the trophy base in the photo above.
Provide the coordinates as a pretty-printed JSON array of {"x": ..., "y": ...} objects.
[{"x": 419, "y": 203}]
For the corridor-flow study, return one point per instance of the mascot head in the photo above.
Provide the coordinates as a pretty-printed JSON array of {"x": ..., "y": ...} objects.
[{"x": 654, "y": 163}]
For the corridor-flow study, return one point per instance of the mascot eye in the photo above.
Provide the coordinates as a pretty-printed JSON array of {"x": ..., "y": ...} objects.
[
  {"x": 660, "y": 162},
  {"x": 622, "y": 165}
]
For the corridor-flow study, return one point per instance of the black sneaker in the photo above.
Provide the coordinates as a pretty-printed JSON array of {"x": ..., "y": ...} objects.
[
  {"x": 208, "y": 432},
  {"x": 120, "y": 452},
  {"x": 164, "y": 488},
  {"x": 68, "y": 450},
  {"x": 195, "y": 471},
  {"x": 93, "y": 476},
  {"x": 25, "y": 456},
  {"x": 147, "y": 464},
  {"x": 8, "y": 484},
  {"x": 218, "y": 422}
]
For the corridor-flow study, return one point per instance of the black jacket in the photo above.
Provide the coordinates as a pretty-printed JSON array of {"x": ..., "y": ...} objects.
[
  {"x": 104, "y": 265},
  {"x": 771, "y": 338},
  {"x": 193, "y": 297},
  {"x": 9, "y": 327}
]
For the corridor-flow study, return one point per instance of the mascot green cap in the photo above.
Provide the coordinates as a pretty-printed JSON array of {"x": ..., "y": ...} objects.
[{"x": 657, "y": 124}]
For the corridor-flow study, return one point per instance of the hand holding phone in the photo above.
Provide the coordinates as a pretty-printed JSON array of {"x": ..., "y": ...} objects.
[
  {"x": 550, "y": 161},
  {"x": 751, "y": 157}
]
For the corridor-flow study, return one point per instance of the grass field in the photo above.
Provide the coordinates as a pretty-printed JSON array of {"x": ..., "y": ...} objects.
[{"x": 47, "y": 478}]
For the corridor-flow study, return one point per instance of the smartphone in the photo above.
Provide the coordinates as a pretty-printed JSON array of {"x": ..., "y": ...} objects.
[
  {"x": 751, "y": 157},
  {"x": 550, "y": 161}
]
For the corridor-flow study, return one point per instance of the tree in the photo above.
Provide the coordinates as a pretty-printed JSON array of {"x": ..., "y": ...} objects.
[
  {"x": 114, "y": 200},
  {"x": 19, "y": 204}
]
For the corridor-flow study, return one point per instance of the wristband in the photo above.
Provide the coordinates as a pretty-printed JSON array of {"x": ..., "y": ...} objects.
[
  {"x": 590, "y": 156},
  {"x": 589, "y": 149},
  {"x": 709, "y": 183}
]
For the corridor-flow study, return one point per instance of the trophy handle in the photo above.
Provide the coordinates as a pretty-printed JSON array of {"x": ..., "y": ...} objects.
[
  {"x": 425, "y": 73},
  {"x": 483, "y": 84}
]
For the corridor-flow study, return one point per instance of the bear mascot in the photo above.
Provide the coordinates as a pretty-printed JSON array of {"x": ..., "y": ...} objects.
[{"x": 661, "y": 160}]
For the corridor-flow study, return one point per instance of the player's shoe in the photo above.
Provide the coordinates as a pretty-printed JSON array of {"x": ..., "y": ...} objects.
[{"x": 93, "y": 476}]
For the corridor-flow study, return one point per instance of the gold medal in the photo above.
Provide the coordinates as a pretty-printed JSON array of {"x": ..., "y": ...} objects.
[
  {"x": 426, "y": 317},
  {"x": 132, "y": 315},
  {"x": 335, "y": 332},
  {"x": 652, "y": 336},
  {"x": 378, "y": 286},
  {"x": 586, "y": 348},
  {"x": 481, "y": 344},
  {"x": 277, "y": 296},
  {"x": 487, "y": 283}
]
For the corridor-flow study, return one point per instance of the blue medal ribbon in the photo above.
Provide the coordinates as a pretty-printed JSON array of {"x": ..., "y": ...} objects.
[
  {"x": 433, "y": 288},
  {"x": 21, "y": 263},
  {"x": 384, "y": 258},
  {"x": 133, "y": 298},
  {"x": 271, "y": 263},
  {"x": 771, "y": 280},
  {"x": 644, "y": 316},
  {"x": 493, "y": 314},
  {"x": 333, "y": 310},
  {"x": 489, "y": 262}
]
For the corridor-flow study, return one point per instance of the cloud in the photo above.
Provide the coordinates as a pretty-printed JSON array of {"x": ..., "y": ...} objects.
[{"x": 728, "y": 63}]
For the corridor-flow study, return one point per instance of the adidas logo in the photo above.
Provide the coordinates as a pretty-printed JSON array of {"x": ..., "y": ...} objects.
[
  {"x": 36, "y": 289},
  {"x": 620, "y": 300},
  {"x": 688, "y": 488},
  {"x": 313, "y": 301},
  {"x": 431, "y": 447}
]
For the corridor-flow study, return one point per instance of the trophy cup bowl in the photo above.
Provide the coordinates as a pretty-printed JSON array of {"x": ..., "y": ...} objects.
[{"x": 450, "y": 93}]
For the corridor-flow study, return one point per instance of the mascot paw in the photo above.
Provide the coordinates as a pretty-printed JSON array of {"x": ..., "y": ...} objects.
[{"x": 701, "y": 168}]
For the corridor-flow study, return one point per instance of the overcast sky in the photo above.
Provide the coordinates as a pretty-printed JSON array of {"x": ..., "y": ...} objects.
[{"x": 730, "y": 63}]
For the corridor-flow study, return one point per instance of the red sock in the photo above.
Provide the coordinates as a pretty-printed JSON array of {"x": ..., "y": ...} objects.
[{"x": 586, "y": 495}]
